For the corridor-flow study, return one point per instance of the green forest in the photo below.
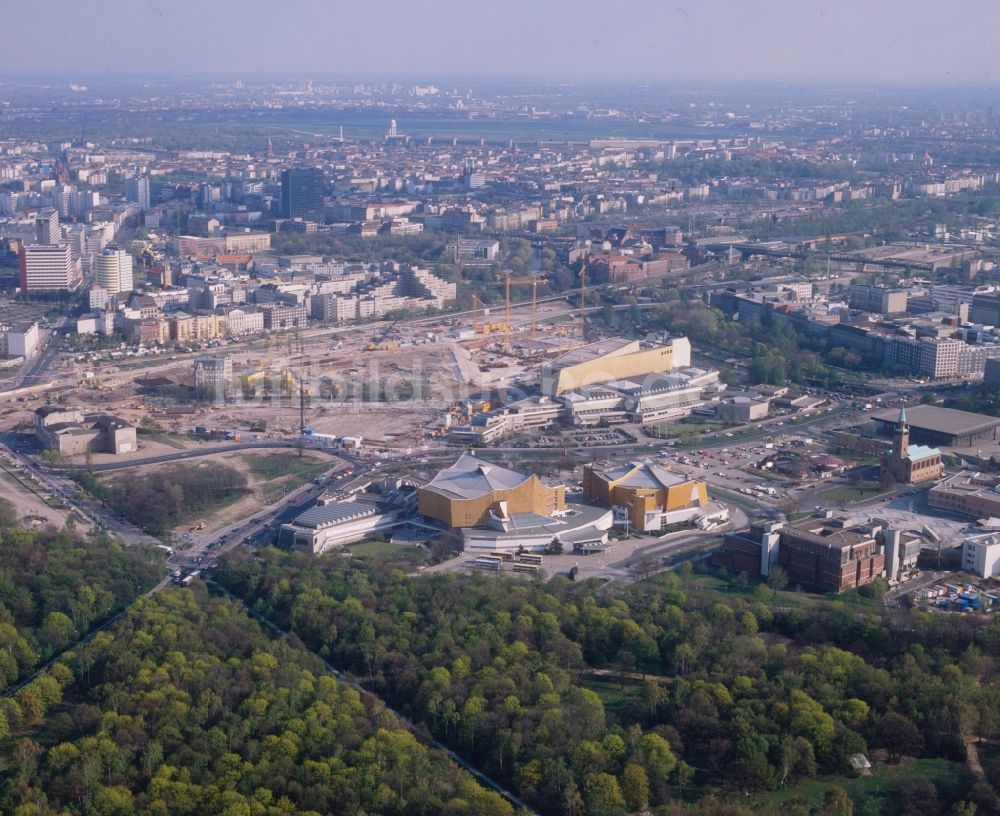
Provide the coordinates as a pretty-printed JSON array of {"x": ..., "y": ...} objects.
[
  {"x": 668, "y": 695},
  {"x": 742, "y": 701},
  {"x": 186, "y": 708},
  {"x": 56, "y": 586}
]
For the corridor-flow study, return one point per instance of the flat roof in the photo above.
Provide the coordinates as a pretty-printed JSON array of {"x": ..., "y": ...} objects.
[
  {"x": 577, "y": 520},
  {"x": 828, "y": 532},
  {"x": 972, "y": 483},
  {"x": 323, "y": 515},
  {"x": 591, "y": 351},
  {"x": 940, "y": 420}
]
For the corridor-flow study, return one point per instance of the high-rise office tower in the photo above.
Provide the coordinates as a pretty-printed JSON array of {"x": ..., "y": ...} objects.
[
  {"x": 61, "y": 195},
  {"x": 47, "y": 226},
  {"x": 113, "y": 269},
  {"x": 302, "y": 194},
  {"x": 48, "y": 268},
  {"x": 137, "y": 189}
]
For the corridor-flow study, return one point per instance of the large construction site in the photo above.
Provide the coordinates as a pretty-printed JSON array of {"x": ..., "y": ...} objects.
[{"x": 395, "y": 384}]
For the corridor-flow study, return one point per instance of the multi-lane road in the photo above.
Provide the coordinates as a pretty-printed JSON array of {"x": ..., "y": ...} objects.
[{"x": 204, "y": 547}]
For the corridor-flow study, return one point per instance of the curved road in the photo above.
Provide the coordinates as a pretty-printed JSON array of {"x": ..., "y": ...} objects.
[{"x": 196, "y": 452}]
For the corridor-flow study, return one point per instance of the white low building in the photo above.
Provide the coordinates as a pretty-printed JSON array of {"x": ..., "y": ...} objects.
[
  {"x": 981, "y": 555},
  {"x": 648, "y": 399},
  {"x": 19, "y": 340},
  {"x": 580, "y": 527},
  {"x": 331, "y": 523}
]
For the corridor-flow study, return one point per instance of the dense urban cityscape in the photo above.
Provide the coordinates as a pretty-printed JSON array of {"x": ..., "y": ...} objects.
[{"x": 498, "y": 446}]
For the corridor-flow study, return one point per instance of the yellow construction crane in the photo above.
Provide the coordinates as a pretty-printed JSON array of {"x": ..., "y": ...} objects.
[
  {"x": 533, "y": 282},
  {"x": 506, "y": 313},
  {"x": 477, "y": 304}
]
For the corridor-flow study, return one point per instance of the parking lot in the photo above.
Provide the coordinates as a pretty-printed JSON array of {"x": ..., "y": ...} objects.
[{"x": 727, "y": 468}]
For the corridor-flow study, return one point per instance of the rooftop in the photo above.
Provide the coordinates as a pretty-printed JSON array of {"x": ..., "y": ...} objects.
[
  {"x": 327, "y": 514},
  {"x": 642, "y": 476},
  {"x": 971, "y": 483},
  {"x": 832, "y": 533},
  {"x": 941, "y": 420},
  {"x": 470, "y": 478},
  {"x": 580, "y": 522},
  {"x": 916, "y": 452},
  {"x": 592, "y": 351}
]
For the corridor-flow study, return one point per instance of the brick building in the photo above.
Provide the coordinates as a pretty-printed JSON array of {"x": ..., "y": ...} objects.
[
  {"x": 910, "y": 464},
  {"x": 819, "y": 552}
]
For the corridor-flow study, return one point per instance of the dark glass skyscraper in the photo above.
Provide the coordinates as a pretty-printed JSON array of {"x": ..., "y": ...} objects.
[{"x": 302, "y": 194}]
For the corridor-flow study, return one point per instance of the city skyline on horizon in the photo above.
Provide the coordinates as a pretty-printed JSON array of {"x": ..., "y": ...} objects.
[{"x": 851, "y": 43}]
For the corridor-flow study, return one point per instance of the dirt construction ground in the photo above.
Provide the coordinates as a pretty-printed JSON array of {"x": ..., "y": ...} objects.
[{"x": 262, "y": 489}]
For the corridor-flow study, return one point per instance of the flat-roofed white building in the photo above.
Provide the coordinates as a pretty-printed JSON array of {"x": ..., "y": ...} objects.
[
  {"x": 48, "y": 268},
  {"x": 981, "y": 555},
  {"x": 333, "y": 523}
]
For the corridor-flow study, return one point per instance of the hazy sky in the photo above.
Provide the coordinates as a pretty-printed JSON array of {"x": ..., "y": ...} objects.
[{"x": 870, "y": 41}]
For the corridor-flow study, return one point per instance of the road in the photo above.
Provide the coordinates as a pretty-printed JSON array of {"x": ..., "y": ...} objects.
[
  {"x": 205, "y": 547},
  {"x": 196, "y": 452},
  {"x": 89, "y": 509},
  {"x": 37, "y": 369},
  {"x": 230, "y": 537},
  {"x": 663, "y": 552}
]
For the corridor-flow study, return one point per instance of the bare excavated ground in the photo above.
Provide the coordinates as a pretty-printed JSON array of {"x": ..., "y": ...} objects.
[{"x": 270, "y": 475}]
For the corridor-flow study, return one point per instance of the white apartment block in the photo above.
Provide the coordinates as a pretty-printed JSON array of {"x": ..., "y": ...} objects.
[{"x": 48, "y": 268}]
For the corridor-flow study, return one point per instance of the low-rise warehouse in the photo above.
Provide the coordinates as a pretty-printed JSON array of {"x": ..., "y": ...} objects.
[
  {"x": 933, "y": 425},
  {"x": 967, "y": 493},
  {"x": 332, "y": 523},
  {"x": 71, "y": 432}
]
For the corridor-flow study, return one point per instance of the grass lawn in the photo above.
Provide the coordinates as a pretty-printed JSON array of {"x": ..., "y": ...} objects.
[
  {"x": 378, "y": 549},
  {"x": 402, "y": 556},
  {"x": 869, "y": 792},
  {"x": 709, "y": 586},
  {"x": 854, "y": 492},
  {"x": 856, "y": 601},
  {"x": 617, "y": 698},
  {"x": 282, "y": 472}
]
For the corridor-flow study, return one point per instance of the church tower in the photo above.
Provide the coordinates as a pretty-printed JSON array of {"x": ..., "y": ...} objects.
[{"x": 901, "y": 436}]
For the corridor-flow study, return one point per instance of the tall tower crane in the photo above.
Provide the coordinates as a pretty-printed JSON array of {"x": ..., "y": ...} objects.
[
  {"x": 506, "y": 314},
  {"x": 533, "y": 282}
]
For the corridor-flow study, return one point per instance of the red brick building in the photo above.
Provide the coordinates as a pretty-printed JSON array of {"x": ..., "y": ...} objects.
[
  {"x": 607, "y": 267},
  {"x": 825, "y": 554},
  {"x": 910, "y": 464}
]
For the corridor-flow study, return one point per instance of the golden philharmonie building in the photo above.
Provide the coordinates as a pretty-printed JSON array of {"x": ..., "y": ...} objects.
[{"x": 496, "y": 509}]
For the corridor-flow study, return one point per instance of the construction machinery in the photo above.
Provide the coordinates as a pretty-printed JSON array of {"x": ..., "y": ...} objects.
[
  {"x": 283, "y": 379},
  {"x": 533, "y": 282},
  {"x": 481, "y": 310}
]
